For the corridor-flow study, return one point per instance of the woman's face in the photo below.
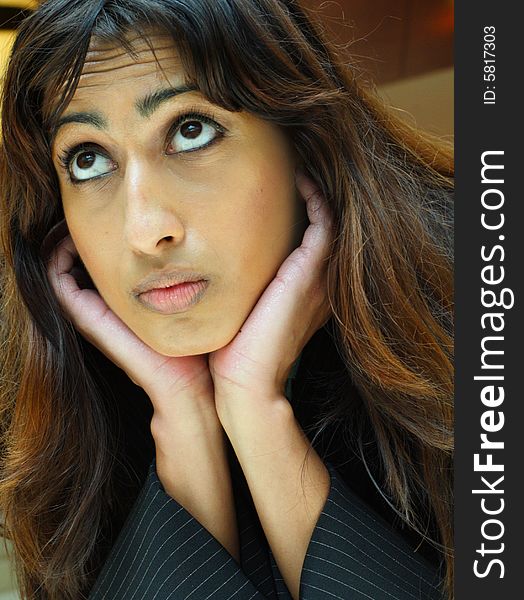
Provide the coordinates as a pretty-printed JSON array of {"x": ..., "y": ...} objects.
[{"x": 160, "y": 185}]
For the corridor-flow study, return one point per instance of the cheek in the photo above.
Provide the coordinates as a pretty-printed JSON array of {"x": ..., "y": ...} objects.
[
  {"x": 276, "y": 213},
  {"x": 97, "y": 251},
  {"x": 263, "y": 234}
]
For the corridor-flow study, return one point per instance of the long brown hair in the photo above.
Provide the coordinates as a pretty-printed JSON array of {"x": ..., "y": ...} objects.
[{"x": 390, "y": 273}]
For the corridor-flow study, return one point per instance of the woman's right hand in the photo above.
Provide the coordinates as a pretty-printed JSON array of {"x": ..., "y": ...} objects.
[
  {"x": 162, "y": 377},
  {"x": 191, "y": 452}
]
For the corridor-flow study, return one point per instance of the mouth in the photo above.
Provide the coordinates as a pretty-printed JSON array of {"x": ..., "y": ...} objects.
[{"x": 170, "y": 294}]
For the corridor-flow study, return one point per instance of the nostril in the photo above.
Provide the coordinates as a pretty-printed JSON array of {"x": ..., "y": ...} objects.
[{"x": 169, "y": 238}]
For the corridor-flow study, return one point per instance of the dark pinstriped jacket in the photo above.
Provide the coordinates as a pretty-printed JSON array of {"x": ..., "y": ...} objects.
[{"x": 164, "y": 553}]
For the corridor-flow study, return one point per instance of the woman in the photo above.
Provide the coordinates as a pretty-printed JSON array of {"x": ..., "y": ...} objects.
[{"x": 221, "y": 378}]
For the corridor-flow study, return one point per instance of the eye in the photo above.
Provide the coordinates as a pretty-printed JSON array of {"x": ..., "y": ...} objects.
[
  {"x": 193, "y": 132},
  {"x": 84, "y": 163}
]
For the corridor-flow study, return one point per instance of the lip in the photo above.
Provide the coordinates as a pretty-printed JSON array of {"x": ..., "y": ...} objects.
[{"x": 169, "y": 293}]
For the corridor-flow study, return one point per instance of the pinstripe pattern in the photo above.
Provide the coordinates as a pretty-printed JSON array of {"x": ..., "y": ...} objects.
[
  {"x": 354, "y": 553},
  {"x": 163, "y": 553}
]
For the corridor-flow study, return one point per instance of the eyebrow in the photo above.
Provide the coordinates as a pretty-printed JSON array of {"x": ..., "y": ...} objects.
[
  {"x": 145, "y": 107},
  {"x": 88, "y": 118}
]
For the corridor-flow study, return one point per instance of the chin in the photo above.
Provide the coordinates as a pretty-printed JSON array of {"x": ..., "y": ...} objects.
[{"x": 191, "y": 345}]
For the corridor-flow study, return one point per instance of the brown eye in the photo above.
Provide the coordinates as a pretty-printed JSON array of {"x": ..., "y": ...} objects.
[
  {"x": 194, "y": 134},
  {"x": 85, "y": 160},
  {"x": 88, "y": 164},
  {"x": 191, "y": 129}
]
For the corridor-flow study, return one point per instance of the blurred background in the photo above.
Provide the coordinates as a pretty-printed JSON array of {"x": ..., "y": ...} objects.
[{"x": 405, "y": 46}]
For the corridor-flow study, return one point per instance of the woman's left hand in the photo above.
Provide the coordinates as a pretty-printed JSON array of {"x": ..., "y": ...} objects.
[
  {"x": 249, "y": 375},
  {"x": 254, "y": 366}
]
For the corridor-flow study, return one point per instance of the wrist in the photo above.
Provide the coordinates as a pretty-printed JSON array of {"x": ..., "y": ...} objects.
[
  {"x": 188, "y": 413},
  {"x": 175, "y": 428},
  {"x": 250, "y": 416}
]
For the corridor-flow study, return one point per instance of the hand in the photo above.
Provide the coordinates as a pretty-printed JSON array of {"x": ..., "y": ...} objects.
[
  {"x": 161, "y": 377},
  {"x": 249, "y": 375},
  {"x": 256, "y": 363},
  {"x": 191, "y": 455}
]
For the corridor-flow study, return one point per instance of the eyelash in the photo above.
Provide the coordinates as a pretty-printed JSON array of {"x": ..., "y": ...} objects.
[{"x": 67, "y": 155}]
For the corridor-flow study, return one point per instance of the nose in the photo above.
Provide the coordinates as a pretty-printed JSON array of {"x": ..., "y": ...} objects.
[{"x": 152, "y": 221}]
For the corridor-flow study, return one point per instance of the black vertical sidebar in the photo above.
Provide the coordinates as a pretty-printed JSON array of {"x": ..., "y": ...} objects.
[{"x": 489, "y": 354}]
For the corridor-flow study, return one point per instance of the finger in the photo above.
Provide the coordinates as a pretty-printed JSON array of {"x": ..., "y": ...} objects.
[
  {"x": 64, "y": 256},
  {"x": 91, "y": 315},
  {"x": 316, "y": 204},
  {"x": 57, "y": 233},
  {"x": 317, "y": 236},
  {"x": 60, "y": 266}
]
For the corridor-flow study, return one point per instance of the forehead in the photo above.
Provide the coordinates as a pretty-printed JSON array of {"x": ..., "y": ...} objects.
[{"x": 106, "y": 63}]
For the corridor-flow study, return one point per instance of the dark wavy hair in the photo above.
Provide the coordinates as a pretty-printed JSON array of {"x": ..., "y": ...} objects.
[{"x": 65, "y": 447}]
